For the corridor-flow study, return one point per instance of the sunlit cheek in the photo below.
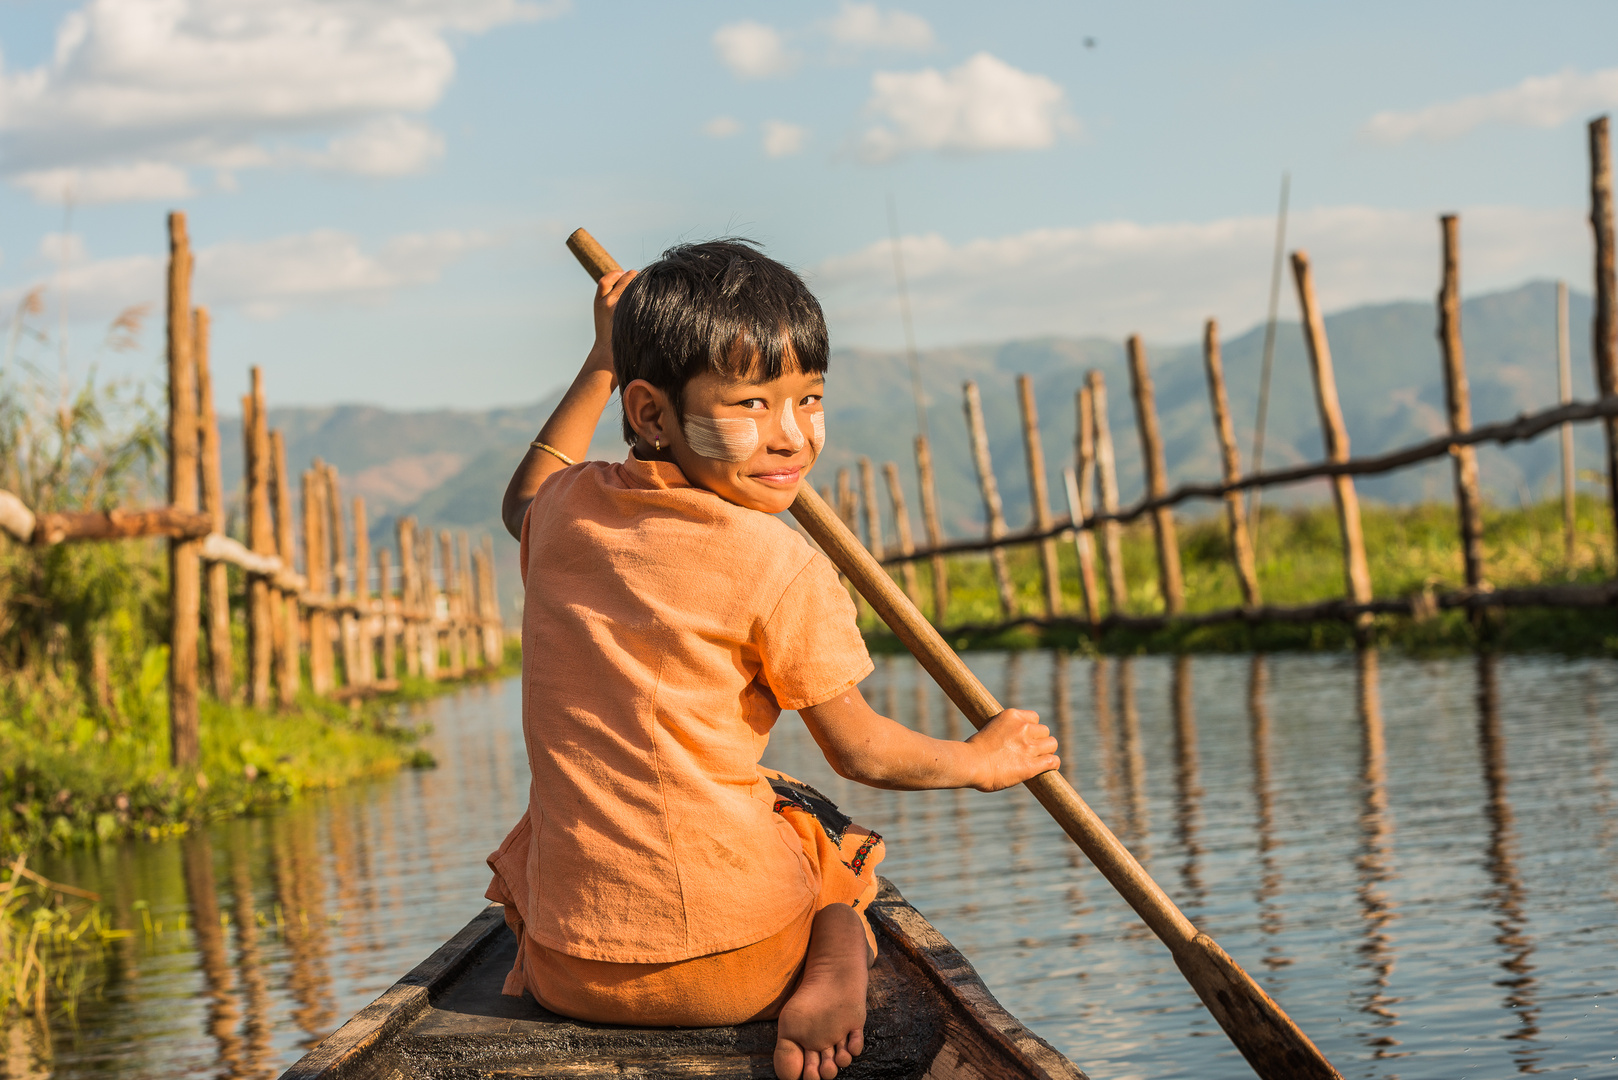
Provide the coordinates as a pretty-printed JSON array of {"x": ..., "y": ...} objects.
[
  {"x": 817, "y": 432},
  {"x": 722, "y": 438}
]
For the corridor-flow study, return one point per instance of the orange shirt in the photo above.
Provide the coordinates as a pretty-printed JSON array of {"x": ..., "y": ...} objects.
[{"x": 664, "y": 629}]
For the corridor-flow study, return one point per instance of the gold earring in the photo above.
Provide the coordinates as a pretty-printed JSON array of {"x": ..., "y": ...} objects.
[{"x": 657, "y": 444}]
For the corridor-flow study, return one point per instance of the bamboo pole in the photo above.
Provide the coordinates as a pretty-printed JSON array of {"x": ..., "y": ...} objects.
[
  {"x": 1356, "y": 571},
  {"x": 873, "y": 509},
  {"x": 287, "y": 641},
  {"x": 384, "y": 590},
  {"x": 1241, "y": 547},
  {"x": 409, "y": 595},
  {"x": 364, "y": 670},
  {"x": 992, "y": 508},
  {"x": 935, "y": 529},
  {"x": 317, "y": 553},
  {"x": 1564, "y": 388},
  {"x": 1458, "y": 403},
  {"x": 1605, "y": 351},
  {"x": 217, "y": 573},
  {"x": 1079, "y": 486},
  {"x": 901, "y": 526},
  {"x": 185, "y": 568},
  {"x": 446, "y": 559},
  {"x": 1039, "y": 493},
  {"x": 1157, "y": 478},
  {"x": 1107, "y": 481},
  {"x": 260, "y": 540}
]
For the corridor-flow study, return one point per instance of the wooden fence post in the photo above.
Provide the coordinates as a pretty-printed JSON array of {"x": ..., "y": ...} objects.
[
  {"x": 452, "y": 602},
  {"x": 364, "y": 671},
  {"x": 992, "y": 507},
  {"x": 1107, "y": 478},
  {"x": 1241, "y": 547},
  {"x": 1458, "y": 402},
  {"x": 901, "y": 526},
  {"x": 384, "y": 589},
  {"x": 343, "y": 589},
  {"x": 429, "y": 602},
  {"x": 1564, "y": 388},
  {"x": 185, "y": 566},
  {"x": 1356, "y": 571},
  {"x": 935, "y": 530},
  {"x": 1605, "y": 351},
  {"x": 260, "y": 540},
  {"x": 873, "y": 509},
  {"x": 409, "y": 596},
  {"x": 1079, "y": 485},
  {"x": 847, "y": 505},
  {"x": 1157, "y": 478},
  {"x": 1039, "y": 493},
  {"x": 289, "y": 675},
  {"x": 220, "y": 660},
  {"x": 316, "y": 552},
  {"x": 471, "y": 635}
]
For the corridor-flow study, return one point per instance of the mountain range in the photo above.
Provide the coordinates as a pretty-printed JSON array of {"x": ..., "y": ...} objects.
[{"x": 449, "y": 468}]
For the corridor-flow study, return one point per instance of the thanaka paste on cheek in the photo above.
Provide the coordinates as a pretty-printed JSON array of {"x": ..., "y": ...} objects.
[
  {"x": 789, "y": 428},
  {"x": 817, "y": 431},
  {"x": 722, "y": 438}
]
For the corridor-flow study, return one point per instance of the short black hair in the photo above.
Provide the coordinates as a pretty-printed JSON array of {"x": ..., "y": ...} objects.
[{"x": 721, "y": 306}]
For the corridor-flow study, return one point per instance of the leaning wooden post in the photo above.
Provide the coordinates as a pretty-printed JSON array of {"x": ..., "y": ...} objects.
[
  {"x": 185, "y": 565},
  {"x": 410, "y": 604},
  {"x": 992, "y": 507},
  {"x": 316, "y": 548},
  {"x": 1241, "y": 547},
  {"x": 1157, "y": 478},
  {"x": 901, "y": 526},
  {"x": 289, "y": 673},
  {"x": 261, "y": 540},
  {"x": 1458, "y": 401},
  {"x": 1079, "y": 485},
  {"x": 1039, "y": 492},
  {"x": 343, "y": 590},
  {"x": 446, "y": 560},
  {"x": 935, "y": 529},
  {"x": 387, "y": 606},
  {"x": 216, "y": 573},
  {"x": 1107, "y": 480},
  {"x": 364, "y": 670},
  {"x": 1605, "y": 351},
  {"x": 1564, "y": 387},
  {"x": 873, "y": 509},
  {"x": 1356, "y": 571}
]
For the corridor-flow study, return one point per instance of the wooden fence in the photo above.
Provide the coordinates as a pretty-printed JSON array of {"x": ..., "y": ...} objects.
[
  {"x": 1092, "y": 485},
  {"x": 325, "y": 619}
]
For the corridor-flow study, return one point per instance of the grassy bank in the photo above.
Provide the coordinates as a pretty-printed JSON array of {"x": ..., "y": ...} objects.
[{"x": 1299, "y": 558}]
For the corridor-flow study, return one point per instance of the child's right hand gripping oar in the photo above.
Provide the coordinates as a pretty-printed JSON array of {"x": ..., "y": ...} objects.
[{"x": 1273, "y": 1045}]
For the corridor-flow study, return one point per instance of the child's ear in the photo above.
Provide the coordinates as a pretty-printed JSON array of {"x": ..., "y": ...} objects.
[{"x": 649, "y": 411}]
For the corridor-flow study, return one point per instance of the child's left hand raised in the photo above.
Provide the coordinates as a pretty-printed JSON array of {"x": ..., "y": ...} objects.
[{"x": 1012, "y": 747}]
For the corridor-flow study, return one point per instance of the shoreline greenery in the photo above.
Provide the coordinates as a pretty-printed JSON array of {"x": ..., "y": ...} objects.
[{"x": 1411, "y": 549}]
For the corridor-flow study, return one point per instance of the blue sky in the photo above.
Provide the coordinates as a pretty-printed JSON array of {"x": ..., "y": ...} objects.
[{"x": 378, "y": 189}]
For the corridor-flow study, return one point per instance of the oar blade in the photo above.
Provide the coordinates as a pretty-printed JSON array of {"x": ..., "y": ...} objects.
[{"x": 1273, "y": 1045}]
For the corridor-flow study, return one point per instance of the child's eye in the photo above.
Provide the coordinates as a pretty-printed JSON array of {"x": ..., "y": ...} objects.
[
  {"x": 808, "y": 400},
  {"x": 754, "y": 403}
]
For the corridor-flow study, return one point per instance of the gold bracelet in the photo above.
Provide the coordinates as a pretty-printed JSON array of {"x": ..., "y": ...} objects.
[{"x": 551, "y": 450}]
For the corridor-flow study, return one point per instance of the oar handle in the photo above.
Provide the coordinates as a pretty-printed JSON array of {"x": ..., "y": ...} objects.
[
  {"x": 591, "y": 255},
  {"x": 973, "y": 699}
]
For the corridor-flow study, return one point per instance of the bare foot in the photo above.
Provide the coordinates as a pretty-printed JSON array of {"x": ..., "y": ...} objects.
[{"x": 822, "y": 1025}]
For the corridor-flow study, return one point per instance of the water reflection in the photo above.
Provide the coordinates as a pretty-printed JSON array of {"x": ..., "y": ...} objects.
[
  {"x": 1375, "y": 858},
  {"x": 1271, "y": 916},
  {"x": 224, "y": 1012},
  {"x": 1187, "y": 786},
  {"x": 1509, "y": 895},
  {"x": 300, "y": 891},
  {"x": 1133, "y": 770}
]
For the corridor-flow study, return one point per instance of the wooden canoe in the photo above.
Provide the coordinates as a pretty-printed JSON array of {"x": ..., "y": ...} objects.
[{"x": 929, "y": 1016}]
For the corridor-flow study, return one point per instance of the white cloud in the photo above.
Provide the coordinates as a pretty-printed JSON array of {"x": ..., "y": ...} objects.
[
  {"x": 782, "y": 139},
  {"x": 108, "y": 183},
  {"x": 390, "y": 146},
  {"x": 721, "y": 127},
  {"x": 227, "y": 84},
  {"x": 866, "y": 26},
  {"x": 1163, "y": 280},
  {"x": 62, "y": 247},
  {"x": 262, "y": 277},
  {"x": 983, "y": 105},
  {"x": 752, "y": 50},
  {"x": 1542, "y": 101}
]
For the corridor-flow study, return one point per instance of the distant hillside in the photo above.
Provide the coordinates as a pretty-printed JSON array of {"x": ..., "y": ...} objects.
[{"x": 449, "y": 468}]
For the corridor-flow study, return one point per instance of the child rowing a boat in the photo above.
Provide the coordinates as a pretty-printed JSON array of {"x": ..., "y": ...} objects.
[{"x": 661, "y": 876}]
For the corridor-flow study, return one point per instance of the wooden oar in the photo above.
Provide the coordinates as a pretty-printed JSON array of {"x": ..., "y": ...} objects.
[{"x": 1273, "y": 1045}]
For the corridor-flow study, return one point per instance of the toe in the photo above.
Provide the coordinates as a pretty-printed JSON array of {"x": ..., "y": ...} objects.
[
  {"x": 856, "y": 1041},
  {"x": 789, "y": 1060},
  {"x": 828, "y": 1065},
  {"x": 841, "y": 1055}
]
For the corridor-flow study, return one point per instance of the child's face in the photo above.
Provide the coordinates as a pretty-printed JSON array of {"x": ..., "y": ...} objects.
[{"x": 751, "y": 442}]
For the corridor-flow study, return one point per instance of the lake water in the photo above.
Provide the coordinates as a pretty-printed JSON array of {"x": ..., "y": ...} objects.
[{"x": 1417, "y": 858}]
